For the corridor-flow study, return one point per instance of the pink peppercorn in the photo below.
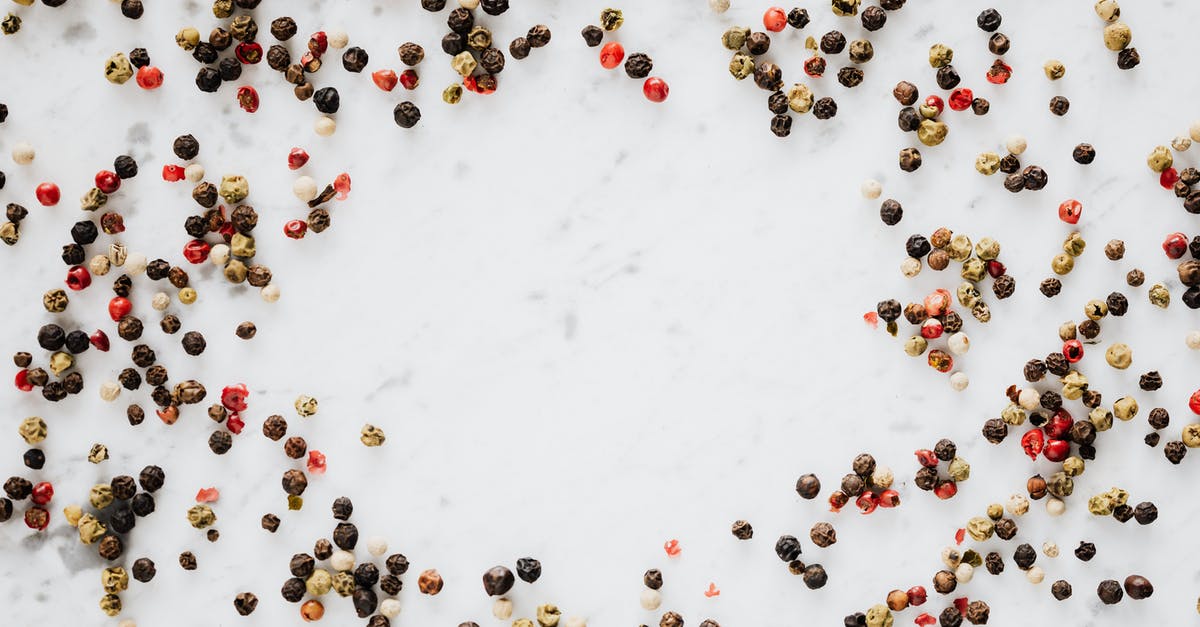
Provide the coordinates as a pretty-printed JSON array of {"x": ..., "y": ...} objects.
[
  {"x": 1175, "y": 245},
  {"x": 118, "y": 308},
  {"x": 248, "y": 52},
  {"x": 1194, "y": 402},
  {"x": 1057, "y": 450},
  {"x": 1168, "y": 178},
  {"x": 611, "y": 55},
  {"x": 999, "y": 73},
  {"x": 297, "y": 158},
  {"x": 931, "y": 329},
  {"x": 78, "y": 278},
  {"x": 1073, "y": 350},
  {"x": 916, "y": 596},
  {"x": 43, "y": 493},
  {"x": 99, "y": 341},
  {"x": 384, "y": 79},
  {"x": 149, "y": 77},
  {"x": 48, "y": 194},
  {"x": 655, "y": 89},
  {"x": 961, "y": 99},
  {"x": 996, "y": 269},
  {"x": 196, "y": 251},
  {"x": 341, "y": 185},
  {"x": 247, "y": 98},
  {"x": 946, "y": 490},
  {"x": 233, "y": 397},
  {"x": 172, "y": 173},
  {"x": 22, "y": 381},
  {"x": 927, "y": 458},
  {"x": 316, "y": 462},
  {"x": 1032, "y": 442},
  {"x": 409, "y": 79},
  {"x": 936, "y": 102},
  {"x": 1070, "y": 210},
  {"x": 37, "y": 518},
  {"x": 234, "y": 423},
  {"x": 774, "y": 19},
  {"x": 295, "y": 229}
]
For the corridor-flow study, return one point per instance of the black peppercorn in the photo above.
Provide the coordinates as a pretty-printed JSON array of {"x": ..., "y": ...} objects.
[
  {"x": 1084, "y": 154},
  {"x": 950, "y": 617},
  {"x": 365, "y": 601},
  {"x": 294, "y": 482},
  {"x": 152, "y": 478},
  {"x": 808, "y": 486},
  {"x": 994, "y": 563},
  {"x": 995, "y": 430},
  {"x": 815, "y": 576},
  {"x": 327, "y": 100},
  {"x": 999, "y": 43},
  {"x": 354, "y": 59},
  {"x": 988, "y": 20},
  {"x": 857, "y": 619},
  {"x": 1145, "y": 513},
  {"x": 1128, "y": 59},
  {"x": 890, "y": 212},
  {"x": 270, "y": 522},
  {"x": 1034, "y": 178},
  {"x": 497, "y": 581},
  {"x": 396, "y": 564},
  {"x": 873, "y": 18},
  {"x": 492, "y": 60},
  {"x": 193, "y": 343},
  {"x": 833, "y": 42},
  {"x": 592, "y": 35},
  {"x": 1123, "y": 513},
  {"x": 538, "y": 36},
  {"x": 980, "y": 106},
  {"x": 187, "y": 560},
  {"x": 51, "y": 337},
  {"x": 781, "y": 125},
  {"x": 850, "y": 77},
  {"x": 917, "y": 246},
  {"x": 798, "y": 18},
  {"x": 1059, "y": 105},
  {"x": 1004, "y": 286},
  {"x": 219, "y": 442},
  {"x": 18, "y": 488},
  {"x": 283, "y": 28},
  {"x": 135, "y": 414},
  {"x": 947, "y": 77},
  {"x": 1150, "y": 381},
  {"x": 494, "y": 7},
  {"x": 1006, "y": 529},
  {"x": 1159, "y": 418},
  {"x": 825, "y": 108},
  {"x": 130, "y": 379},
  {"x": 1024, "y": 556},
  {"x": 34, "y": 459},
  {"x": 852, "y": 484},
  {"x": 293, "y": 590},
  {"x": 13, "y": 211},
  {"x": 245, "y": 603},
  {"x": 143, "y": 569},
  {"x": 142, "y": 504},
  {"x": 758, "y": 43},
  {"x": 1138, "y": 587},
  {"x": 433, "y": 6},
  {"x": 454, "y": 43},
  {"x": 302, "y": 565},
  {"x": 460, "y": 21},
  {"x": 406, "y": 115},
  {"x": 910, "y": 159},
  {"x": 73, "y": 254},
  {"x": 945, "y": 450},
  {"x": 78, "y": 342},
  {"x": 909, "y": 120},
  {"x": 345, "y": 535},
  {"x": 6, "y": 509},
  {"x": 123, "y": 520},
  {"x": 132, "y": 9},
  {"x": 926, "y": 478},
  {"x": 777, "y": 103},
  {"x": 1152, "y": 439},
  {"x": 529, "y": 569},
  {"x": 639, "y": 65},
  {"x": 787, "y": 548},
  {"x": 1109, "y": 592},
  {"x": 653, "y": 579}
]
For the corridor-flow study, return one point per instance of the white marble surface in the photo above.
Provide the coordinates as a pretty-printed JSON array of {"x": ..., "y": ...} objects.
[{"x": 590, "y": 324}]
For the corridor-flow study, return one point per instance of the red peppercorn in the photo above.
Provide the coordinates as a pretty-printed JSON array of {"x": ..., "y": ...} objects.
[
  {"x": 233, "y": 397},
  {"x": 149, "y": 77},
  {"x": 247, "y": 98},
  {"x": 1073, "y": 350},
  {"x": 1194, "y": 402},
  {"x": 118, "y": 308},
  {"x": 295, "y": 229},
  {"x": 384, "y": 79},
  {"x": 168, "y": 414},
  {"x": 996, "y": 269},
  {"x": 22, "y": 381},
  {"x": 43, "y": 492},
  {"x": 960, "y": 604},
  {"x": 316, "y": 462},
  {"x": 924, "y": 619},
  {"x": 248, "y": 52},
  {"x": 234, "y": 423},
  {"x": 999, "y": 73},
  {"x": 112, "y": 222},
  {"x": 1059, "y": 424},
  {"x": 208, "y": 495},
  {"x": 655, "y": 89},
  {"x": 937, "y": 302},
  {"x": 867, "y": 502},
  {"x": 409, "y": 79},
  {"x": 961, "y": 99},
  {"x": 318, "y": 43},
  {"x": 611, "y": 55},
  {"x": 341, "y": 185},
  {"x": 172, "y": 173},
  {"x": 889, "y": 499},
  {"x": 837, "y": 501},
  {"x": 37, "y": 518},
  {"x": 107, "y": 181},
  {"x": 1070, "y": 210},
  {"x": 774, "y": 19},
  {"x": 1032, "y": 442},
  {"x": 48, "y": 194},
  {"x": 196, "y": 251},
  {"x": 946, "y": 490},
  {"x": 672, "y": 548},
  {"x": 814, "y": 66},
  {"x": 1168, "y": 178},
  {"x": 927, "y": 458},
  {"x": 931, "y": 329},
  {"x": 1175, "y": 245},
  {"x": 935, "y": 101},
  {"x": 916, "y": 596},
  {"x": 872, "y": 319},
  {"x": 99, "y": 341},
  {"x": 297, "y": 158},
  {"x": 959, "y": 536},
  {"x": 940, "y": 360},
  {"x": 78, "y": 278},
  {"x": 226, "y": 231},
  {"x": 1057, "y": 450}
]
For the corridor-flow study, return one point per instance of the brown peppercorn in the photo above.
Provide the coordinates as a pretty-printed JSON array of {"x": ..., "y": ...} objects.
[
  {"x": 135, "y": 415},
  {"x": 653, "y": 579},
  {"x": 246, "y": 330},
  {"x": 294, "y": 482},
  {"x": 345, "y": 536},
  {"x": 1051, "y": 287},
  {"x": 1059, "y": 105},
  {"x": 823, "y": 534},
  {"x": 1036, "y": 486},
  {"x": 430, "y": 582},
  {"x": 295, "y": 447},
  {"x": 999, "y": 44},
  {"x": 1005, "y": 528},
  {"x": 193, "y": 343},
  {"x": 143, "y": 569},
  {"x": 1109, "y": 592},
  {"x": 1135, "y": 278},
  {"x": 994, "y": 563},
  {"x": 187, "y": 560},
  {"x": 910, "y": 159},
  {"x": 274, "y": 427},
  {"x": 219, "y": 442},
  {"x": 905, "y": 93},
  {"x": 1003, "y": 286},
  {"x": 497, "y": 581},
  {"x": 742, "y": 530},
  {"x": 944, "y": 582},
  {"x": 1138, "y": 587},
  {"x": 1150, "y": 381},
  {"x": 322, "y": 549},
  {"x": 995, "y": 430},
  {"x": 758, "y": 43},
  {"x": 671, "y": 619},
  {"x": 592, "y": 35},
  {"x": 270, "y": 522},
  {"x": 170, "y": 324},
  {"x": 980, "y": 106}
]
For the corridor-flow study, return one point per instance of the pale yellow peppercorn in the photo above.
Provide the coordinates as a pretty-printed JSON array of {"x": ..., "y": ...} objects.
[
  {"x": 464, "y": 63},
  {"x": 1073, "y": 466},
  {"x": 1095, "y": 309},
  {"x": 1074, "y": 244},
  {"x": 951, "y": 557},
  {"x": 1067, "y": 331},
  {"x": 1100, "y": 505},
  {"x": 548, "y": 615},
  {"x": 960, "y": 247},
  {"x": 1054, "y": 69},
  {"x": 372, "y": 435},
  {"x": 800, "y": 98},
  {"x": 1191, "y": 435},
  {"x": 188, "y": 38},
  {"x": 967, "y": 294},
  {"x": 100, "y": 496},
  {"x": 305, "y": 406},
  {"x": 242, "y": 245},
  {"x": 915, "y": 346},
  {"x": 1101, "y": 418},
  {"x": 980, "y": 528},
  {"x": 940, "y": 55},
  {"x": 32, "y": 430},
  {"x": 90, "y": 529},
  {"x": 987, "y": 249},
  {"x": 452, "y": 94},
  {"x": 735, "y": 37},
  {"x": 973, "y": 269},
  {"x": 987, "y": 163},
  {"x": 114, "y": 580},
  {"x": 1018, "y": 505},
  {"x": 1074, "y": 383},
  {"x": 1159, "y": 296},
  {"x": 741, "y": 65},
  {"x": 99, "y": 265},
  {"x": 932, "y": 133},
  {"x": 1108, "y": 10},
  {"x": 97, "y": 454},
  {"x": 61, "y": 361},
  {"x": 234, "y": 188},
  {"x": 117, "y": 69},
  {"x": 880, "y": 616},
  {"x": 110, "y": 604},
  {"x": 1062, "y": 264},
  {"x": 187, "y": 295},
  {"x": 1117, "y": 36},
  {"x": 1013, "y": 415},
  {"x": 995, "y": 511},
  {"x": 1119, "y": 356},
  {"x": 522, "y": 622},
  {"x": 201, "y": 516},
  {"x": 319, "y": 582},
  {"x": 845, "y": 8},
  {"x": 72, "y": 514},
  {"x": 959, "y": 470},
  {"x": 1125, "y": 408},
  {"x": 1160, "y": 159},
  {"x": 910, "y": 267}
]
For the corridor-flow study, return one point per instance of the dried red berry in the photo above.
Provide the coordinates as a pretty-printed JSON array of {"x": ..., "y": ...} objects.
[
  {"x": 927, "y": 458},
  {"x": 889, "y": 499},
  {"x": 107, "y": 181},
  {"x": 999, "y": 73},
  {"x": 149, "y": 77},
  {"x": 1168, "y": 178},
  {"x": 1032, "y": 442},
  {"x": 168, "y": 414},
  {"x": 960, "y": 604},
  {"x": 99, "y": 340},
  {"x": 118, "y": 308},
  {"x": 814, "y": 66},
  {"x": 872, "y": 319},
  {"x": 37, "y": 518},
  {"x": 43, "y": 493},
  {"x": 208, "y": 495},
  {"x": 867, "y": 502},
  {"x": 196, "y": 251},
  {"x": 316, "y": 462},
  {"x": 172, "y": 173},
  {"x": 341, "y": 185},
  {"x": 940, "y": 360},
  {"x": 611, "y": 55},
  {"x": 318, "y": 43},
  {"x": 247, "y": 98},
  {"x": 226, "y": 231},
  {"x": 384, "y": 79},
  {"x": 78, "y": 278},
  {"x": 937, "y": 302},
  {"x": 961, "y": 99},
  {"x": 672, "y": 547},
  {"x": 248, "y": 52},
  {"x": 775, "y": 19},
  {"x": 234, "y": 423},
  {"x": 931, "y": 329},
  {"x": 112, "y": 222},
  {"x": 924, "y": 619},
  {"x": 48, "y": 194},
  {"x": 935, "y": 101},
  {"x": 295, "y": 229},
  {"x": 946, "y": 490},
  {"x": 712, "y": 591},
  {"x": 1070, "y": 210},
  {"x": 409, "y": 79},
  {"x": 1057, "y": 450},
  {"x": 1194, "y": 402},
  {"x": 996, "y": 269},
  {"x": 655, "y": 89},
  {"x": 1059, "y": 424},
  {"x": 297, "y": 157},
  {"x": 837, "y": 500},
  {"x": 22, "y": 380},
  {"x": 1072, "y": 350},
  {"x": 959, "y": 536},
  {"x": 233, "y": 397},
  {"x": 1175, "y": 245}
]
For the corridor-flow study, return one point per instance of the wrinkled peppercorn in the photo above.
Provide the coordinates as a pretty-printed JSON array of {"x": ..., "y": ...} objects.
[
  {"x": 833, "y": 42},
  {"x": 1110, "y": 592},
  {"x": 406, "y": 115}
]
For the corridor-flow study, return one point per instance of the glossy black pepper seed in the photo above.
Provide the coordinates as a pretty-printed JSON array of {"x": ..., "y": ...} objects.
[
  {"x": 1123, "y": 513},
  {"x": 857, "y": 619},
  {"x": 873, "y": 18},
  {"x": 917, "y": 246},
  {"x": 768, "y": 76},
  {"x": 947, "y": 77},
  {"x": 833, "y": 42},
  {"x": 13, "y": 211},
  {"x": 808, "y": 486},
  {"x": 781, "y": 125},
  {"x": 460, "y": 21},
  {"x": 988, "y": 20},
  {"x": 132, "y": 9},
  {"x": 638, "y": 65},
  {"x": 908, "y": 120},
  {"x": 283, "y": 28},
  {"x": 815, "y": 576},
  {"x": 926, "y": 478},
  {"x": 294, "y": 482},
  {"x": 345, "y": 536},
  {"x": 73, "y": 383},
  {"x": 758, "y": 43},
  {"x": 892, "y": 5},
  {"x": 433, "y": 6},
  {"x": 51, "y": 337},
  {"x": 653, "y": 579},
  {"x": 142, "y": 504},
  {"x": 73, "y": 254},
  {"x": 34, "y": 459},
  {"x": 342, "y": 506},
  {"x": 1024, "y": 556},
  {"x": 777, "y": 103},
  {"x": 322, "y": 549},
  {"x": 396, "y": 564},
  {"x": 185, "y": 147},
  {"x": 1059, "y": 105},
  {"x": 1109, "y": 592},
  {"x": 1034, "y": 178},
  {"x": 980, "y": 106},
  {"x": 354, "y": 59},
  {"x": 1010, "y": 164},
  {"x": 327, "y": 100},
  {"x": 302, "y": 565},
  {"x": 143, "y": 569},
  {"x": 538, "y": 36},
  {"x": 494, "y": 7},
  {"x": 6, "y": 509},
  {"x": 1145, "y": 513},
  {"x": 1118, "y": 304},
  {"x": 1150, "y": 381},
  {"x": 1084, "y": 154},
  {"x": 54, "y": 391},
  {"x": 135, "y": 415},
  {"x": 365, "y": 601},
  {"x": 592, "y": 35},
  {"x": 152, "y": 478},
  {"x": 492, "y": 60},
  {"x": 229, "y": 69},
  {"x": 1175, "y": 451},
  {"x": 787, "y": 548},
  {"x": 293, "y": 590},
  {"x": 529, "y": 569},
  {"x": 891, "y": 212},
  {"x": 999, "y": 43},
  {"x": 453, "y": 43},
  {"x": 950, "y": 617},
  {"x": 995, "y": 430},
  {"x": 187, "y": 560},
  {"x": 1128, "y": 59},
  {"x": 1152, "y": 439},
  {"x": 850, "y": 77},
  {"x": 497, "y": 581},
  {"x": 1138, "y": 587},
  {"x": 406, "y": 115},
  {"x": 825, "y": 108},
  {"x": 205, "y": 53},
  {"x": 157, "y": 270},
  {"x": 123, "y": 520}
]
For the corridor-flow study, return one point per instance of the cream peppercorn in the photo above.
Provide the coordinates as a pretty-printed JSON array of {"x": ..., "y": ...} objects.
[
  {"x": 324, "y": 126},
  {"x": 23, "y": 153}
]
